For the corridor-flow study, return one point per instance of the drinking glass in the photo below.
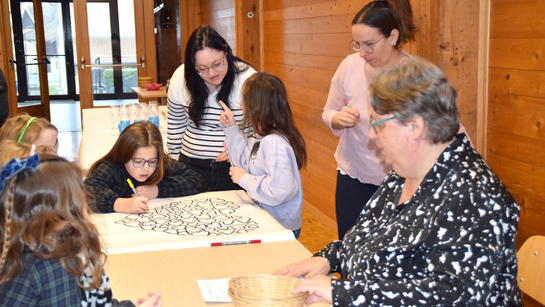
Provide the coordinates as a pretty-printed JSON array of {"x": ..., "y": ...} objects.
[
  {"x": 163, "y": 123},
  {"x": 114, "y": 117}
]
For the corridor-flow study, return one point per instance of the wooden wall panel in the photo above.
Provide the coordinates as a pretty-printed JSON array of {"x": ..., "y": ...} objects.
[
  {"x": 516, "y": 104},
  {"x": 459, "y": 56},
  {"x": 248, "y": 18},
  {"x": 220, "y": 15},
  {"x": 521, "y": 18},
  {"x": 520, "y": 53}
]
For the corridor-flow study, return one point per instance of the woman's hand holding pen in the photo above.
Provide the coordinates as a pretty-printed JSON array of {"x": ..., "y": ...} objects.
[
  {"x": 148, "y": 191},
  {"x": 137, "y": 204},
  {"x": 346, "y": 118},
  {"x": 227, "y": 119},
  {"x": 236, "y": 173}
]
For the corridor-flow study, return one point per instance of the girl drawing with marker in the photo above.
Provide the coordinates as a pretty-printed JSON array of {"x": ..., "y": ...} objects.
[
  {"x": 138, "y": 155},
  {"x": 267, "y": 166}
]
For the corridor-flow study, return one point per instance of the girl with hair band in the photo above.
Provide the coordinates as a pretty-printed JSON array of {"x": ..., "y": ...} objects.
[
  {"x": 267, "y": 166},
  {"x": 211, "y": 73},
  {"x": 50, "y": 253},
  {"x": 138, "y": 155},
  {"x": 27, "y": 129}
]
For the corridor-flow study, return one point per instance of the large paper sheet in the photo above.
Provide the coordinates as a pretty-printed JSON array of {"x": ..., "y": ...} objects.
[{"x": 194, "y": 221}]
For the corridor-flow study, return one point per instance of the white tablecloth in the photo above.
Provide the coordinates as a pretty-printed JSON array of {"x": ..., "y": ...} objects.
[{"x": 193, "y": 221}]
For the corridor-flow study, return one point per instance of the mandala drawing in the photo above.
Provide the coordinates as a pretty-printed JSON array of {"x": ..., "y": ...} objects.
[{"x": 197, "y": 217}]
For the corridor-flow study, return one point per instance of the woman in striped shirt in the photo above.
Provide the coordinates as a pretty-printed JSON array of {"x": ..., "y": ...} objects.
[{"x": 195, "y": 136}]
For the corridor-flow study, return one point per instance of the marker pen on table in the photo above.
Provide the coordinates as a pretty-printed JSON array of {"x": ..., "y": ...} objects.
[
  {"x": 132, "y": 186},
  {"x": 228, "y": 155},
  {"x": 348, "y": 105},
  {"x": 235, "y": 242}
]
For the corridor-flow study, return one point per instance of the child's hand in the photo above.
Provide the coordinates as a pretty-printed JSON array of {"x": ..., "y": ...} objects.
[
  {"x": 149, "y": 191},
  {"x": 236, "y": 173},
  {"x": 154, "y": 300},
  {"x": 131, "y": 205},
  {"x": 221, "y": 157},
  {"x": 226, "y": 117}
]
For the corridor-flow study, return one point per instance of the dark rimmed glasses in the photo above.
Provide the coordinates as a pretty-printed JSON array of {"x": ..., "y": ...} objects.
[
  {"x": 215, "y": 67},
  {"x": 366, "y": 47},
  {"x": 380, "y": 121},
  {"x": 138, "y": 162}
]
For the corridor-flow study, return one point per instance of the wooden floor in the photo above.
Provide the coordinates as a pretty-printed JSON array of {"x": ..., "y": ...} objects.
[{"x": 65, "y": 116}]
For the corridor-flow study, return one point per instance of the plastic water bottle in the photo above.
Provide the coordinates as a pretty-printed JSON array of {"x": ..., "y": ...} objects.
[
  {"x": 153, "y": 114},
  {"x": 124, "y": 119}
]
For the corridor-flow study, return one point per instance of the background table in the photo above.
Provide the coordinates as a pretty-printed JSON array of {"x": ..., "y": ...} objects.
[
  {"x": 146, "y": 94},
  {"x": 174, "y": 273}
]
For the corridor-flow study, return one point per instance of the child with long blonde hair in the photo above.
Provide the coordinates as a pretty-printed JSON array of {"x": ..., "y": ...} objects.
[{"x": 267, "y": 166}]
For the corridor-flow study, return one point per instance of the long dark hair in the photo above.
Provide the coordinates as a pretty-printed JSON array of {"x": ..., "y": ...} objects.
[
  {"x": 266, "y": 107},
  {"x": 387, "y": 15},
  {"x": 205, "y": 36},
  {"x": 135, "y": 136},
  {"x": 44, "y": 208}
]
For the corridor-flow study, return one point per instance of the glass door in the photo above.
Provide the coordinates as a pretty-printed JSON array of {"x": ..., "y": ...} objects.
[
  {"x": 112, "y": 45},
  {"x": 30, "y": 58}
]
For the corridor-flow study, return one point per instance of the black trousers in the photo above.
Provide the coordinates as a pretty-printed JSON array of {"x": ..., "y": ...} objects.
[
  {"x": 216, "y": 174},
  {"x": 350, "y": 197}
]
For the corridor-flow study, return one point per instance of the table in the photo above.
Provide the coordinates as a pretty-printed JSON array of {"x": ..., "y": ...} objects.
[
  {"x": 98, "y": 137},
  {"x": 174, "y": 273},
  {"x": 146, "y": 94}
]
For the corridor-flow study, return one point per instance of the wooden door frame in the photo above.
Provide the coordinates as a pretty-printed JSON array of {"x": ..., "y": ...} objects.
[
  {"x": 482, "y": 78},
  {"x": 6, "y": 52},
  {"x": 42, "y": 69}
]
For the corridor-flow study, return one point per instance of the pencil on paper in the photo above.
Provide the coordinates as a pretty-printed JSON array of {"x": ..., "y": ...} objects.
[
  {"x": 228, "y": 155},
  {"x": 132, "y": 186},
  {"x": 348, "y": 105}
]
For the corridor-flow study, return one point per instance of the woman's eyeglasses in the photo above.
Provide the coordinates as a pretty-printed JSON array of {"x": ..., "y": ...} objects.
[
  {"x": 367, "y": 47},
  {"x": 373, "y": 123},
  {"x": 216, "y": 67},
  {"x": 138, "y": 163}
]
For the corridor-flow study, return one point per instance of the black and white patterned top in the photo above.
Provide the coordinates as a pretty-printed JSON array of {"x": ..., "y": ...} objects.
[{"x": 451, "y": 244}]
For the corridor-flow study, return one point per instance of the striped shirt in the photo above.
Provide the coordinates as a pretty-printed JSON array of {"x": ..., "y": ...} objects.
[{"x": 206, "y": 141}]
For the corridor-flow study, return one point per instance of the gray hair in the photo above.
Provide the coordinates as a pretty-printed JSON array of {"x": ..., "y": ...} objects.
[{"x": 418, "y": 88}]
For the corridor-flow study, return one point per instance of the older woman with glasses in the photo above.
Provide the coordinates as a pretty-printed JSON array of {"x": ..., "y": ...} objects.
[
  {"x": 440, "y": 230},
  {"x": 136, "y": 170},
  {"x": 211, "y": 74},
  {"x": 379, "y": 30}
]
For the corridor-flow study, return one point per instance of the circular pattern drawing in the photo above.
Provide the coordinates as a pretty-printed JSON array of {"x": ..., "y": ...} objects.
[{"x": 197, "y": 217}]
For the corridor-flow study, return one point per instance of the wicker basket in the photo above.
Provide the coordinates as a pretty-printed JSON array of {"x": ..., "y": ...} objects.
[{"x": 265, "y": 290}]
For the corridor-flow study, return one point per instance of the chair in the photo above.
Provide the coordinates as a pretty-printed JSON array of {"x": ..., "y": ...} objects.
[{"x": 531, "y": 268}]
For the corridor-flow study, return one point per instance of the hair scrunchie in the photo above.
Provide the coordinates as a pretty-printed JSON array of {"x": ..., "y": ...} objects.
[{"x": 15, "y": 166}]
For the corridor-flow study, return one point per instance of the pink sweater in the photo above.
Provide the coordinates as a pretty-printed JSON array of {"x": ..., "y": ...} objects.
[{"x": 356, "y": 154}]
